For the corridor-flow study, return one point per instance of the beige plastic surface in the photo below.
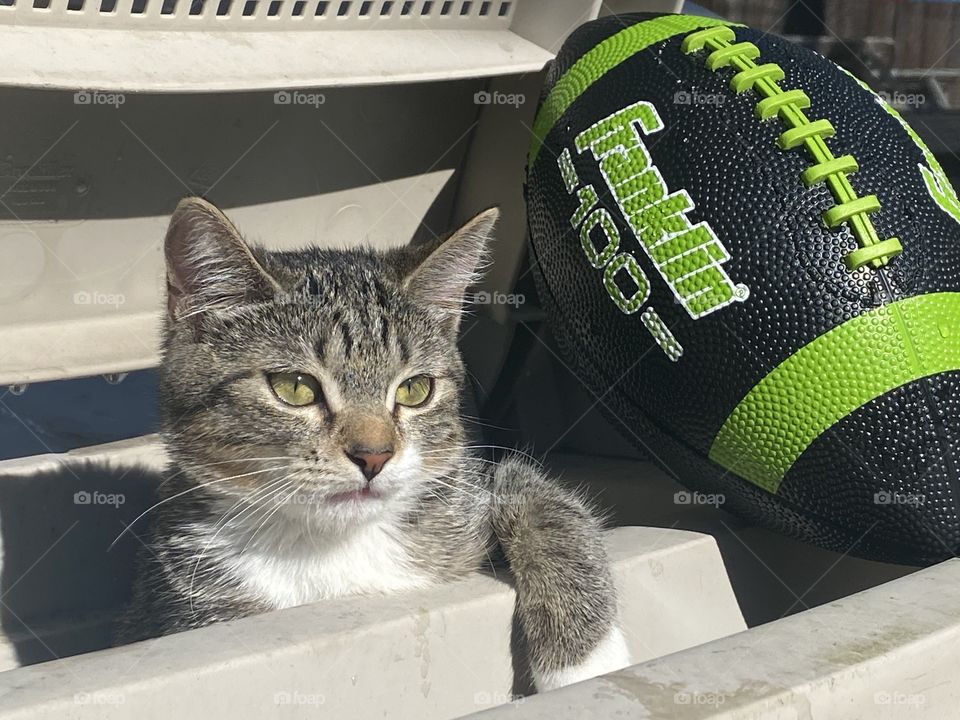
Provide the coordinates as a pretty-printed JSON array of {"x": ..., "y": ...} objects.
[
  {"x": 889, "y": 653},
  {"x": 438, "y": 653},
  {"x": 211, "y": 45},
  {"x": 85, "y": 194}
]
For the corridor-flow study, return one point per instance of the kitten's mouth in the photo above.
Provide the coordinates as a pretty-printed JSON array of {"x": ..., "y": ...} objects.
[{"x": 365, "y": 494}]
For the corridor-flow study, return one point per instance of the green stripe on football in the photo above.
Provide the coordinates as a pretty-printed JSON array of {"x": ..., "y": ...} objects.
[{"x": 756, "y": 263}]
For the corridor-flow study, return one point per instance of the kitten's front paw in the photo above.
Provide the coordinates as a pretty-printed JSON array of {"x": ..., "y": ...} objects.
[{"x": 610, "y": 654}]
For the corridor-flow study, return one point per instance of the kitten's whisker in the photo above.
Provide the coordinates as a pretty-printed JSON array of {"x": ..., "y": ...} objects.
[
  {"x": 458, "y": 480},
  {"x": 459, "y": 454},
  {"x": 477, "y": 474},
  {"x": 184, "y": 492},
  {"x": 456, "y": 488},
  {"x": 257, "y": 500},
  {"x": 263, "y": 502},
  {"x": 455, "y": 458},
  {"x": 477, "y": 420},
  {"x": 510, "y": 450},
  {"x": 280, "y": 504},
  {"x": 284, "y": 481},
  {"x": 250, "y": 499},
  {"x": 456, "y": 466},
  {"x": 225, "y": 462},
  {"x": 481, "y": 423}
]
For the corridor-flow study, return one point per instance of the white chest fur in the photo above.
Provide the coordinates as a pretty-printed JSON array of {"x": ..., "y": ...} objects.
[{"x": 293, "y": 568}]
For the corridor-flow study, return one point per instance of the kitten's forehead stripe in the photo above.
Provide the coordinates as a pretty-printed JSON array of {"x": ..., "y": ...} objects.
[
  {"x": 384, "y": 331},
  {"x": 383, "y": 296},
  {"x": 347, "y": 340}
]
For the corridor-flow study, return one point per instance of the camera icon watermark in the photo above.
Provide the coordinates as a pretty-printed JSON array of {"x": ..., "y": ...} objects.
[
  {"x": 496, "y": 298},
  {"x": 96, "y": 97},
  {"x": 84, "y": 297},
  {"x": 686, "y": 497},
  {"x": 699, "y": 698},
  {"x": 886, "y": 497},
  {"x": 301, "y": 498},
  {"x": 885, "y": 697},
  {"x": 95, "y": 497},
  {"x": 484, "y": 97},
  {"x": 99, "y": 698},
  {"x": 898, "y": 99},
  {"x": 485, "y": 698},
  {"x": 299, "y": 98},
  {"x": 294, "y": 697},
  {"x": 682, "y": 97}
]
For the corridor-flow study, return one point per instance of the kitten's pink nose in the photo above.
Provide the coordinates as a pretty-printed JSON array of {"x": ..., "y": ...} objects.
[{"x": 369, "y": 461}]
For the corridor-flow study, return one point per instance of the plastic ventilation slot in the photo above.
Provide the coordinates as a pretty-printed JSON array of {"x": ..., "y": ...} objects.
[
  {"x": 323, "y": 9},
  {"x": 192, "y": 45}
]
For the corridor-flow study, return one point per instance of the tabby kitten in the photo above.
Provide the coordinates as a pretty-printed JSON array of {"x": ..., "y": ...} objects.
[{"x": 310, "y": 409}]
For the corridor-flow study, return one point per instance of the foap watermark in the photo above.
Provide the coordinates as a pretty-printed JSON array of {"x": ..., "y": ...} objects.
[
  {"x": 83, "y": 297},
  {"x": 485, "y": 698},
  {"x": 682, "y": 97},
  {"x": 96, "y": 97},
  {"x": 885, "y": 697},
  {"x": 903, "y": 100},
  {"x": 685, "y": 497},
  {"x": 499, "y": 98},
  {"x": 300, "y": 498},
  {"x": 99, "y": 698},
  {"x": 294, "y": 697},
  {"x": 496, "y": 298},
  {"x": 95, "y": 497},
  {"x": 699, "y": 698},
  {"x": 299, "y": 98},
  {"x": 886, "y": 497}
]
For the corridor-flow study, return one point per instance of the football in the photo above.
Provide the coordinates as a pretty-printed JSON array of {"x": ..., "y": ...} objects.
[{"x": 755, "y": 262}]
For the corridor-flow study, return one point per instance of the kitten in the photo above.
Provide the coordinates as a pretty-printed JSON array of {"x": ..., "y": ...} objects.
[{"x": 310, "y": 409}]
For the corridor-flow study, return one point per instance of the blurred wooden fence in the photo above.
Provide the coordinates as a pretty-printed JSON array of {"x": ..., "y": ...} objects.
[{"x": 926, "y": 33}]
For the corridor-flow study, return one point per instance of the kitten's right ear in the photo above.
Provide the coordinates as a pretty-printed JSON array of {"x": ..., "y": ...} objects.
[
  {"x": 440, "y": 279},
  {"x": 209, "y": 266}
]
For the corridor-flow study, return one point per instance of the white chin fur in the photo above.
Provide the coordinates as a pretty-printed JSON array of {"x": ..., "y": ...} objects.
[
  {"x": 310, "y": 549},
  {"x": 610, "y": 654}
]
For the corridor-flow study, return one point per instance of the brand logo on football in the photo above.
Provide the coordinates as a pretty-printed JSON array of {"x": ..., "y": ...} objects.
[{"x": 688, "y": 256}]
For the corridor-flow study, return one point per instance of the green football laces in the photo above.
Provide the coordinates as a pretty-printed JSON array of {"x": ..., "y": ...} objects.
[{"x": 788, "y": 105}]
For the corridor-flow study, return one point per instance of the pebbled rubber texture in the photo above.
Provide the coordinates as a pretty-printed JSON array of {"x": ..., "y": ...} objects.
[
  {"x": 753, "y": 195},
  {"x": 832, "y": 376}
]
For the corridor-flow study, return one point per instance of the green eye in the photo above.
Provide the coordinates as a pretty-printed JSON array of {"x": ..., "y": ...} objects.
[
  {"x": 295, "y": 388},
  {"x": 414, "y": 391}
]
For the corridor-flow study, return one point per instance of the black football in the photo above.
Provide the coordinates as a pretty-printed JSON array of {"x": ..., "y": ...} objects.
[{"x": 756, "y": 262}]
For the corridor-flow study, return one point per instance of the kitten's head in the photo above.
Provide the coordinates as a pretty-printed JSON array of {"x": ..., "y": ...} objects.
[{"x": 324, "y": 381}]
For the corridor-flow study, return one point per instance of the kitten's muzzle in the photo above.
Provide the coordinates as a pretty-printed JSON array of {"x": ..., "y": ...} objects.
[{"x": 370, "y": 461}]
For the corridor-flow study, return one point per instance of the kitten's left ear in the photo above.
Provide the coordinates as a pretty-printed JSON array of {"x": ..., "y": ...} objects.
[
  {"x": 440, "y": 280},
  {"x": 209, "y": 266}
]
